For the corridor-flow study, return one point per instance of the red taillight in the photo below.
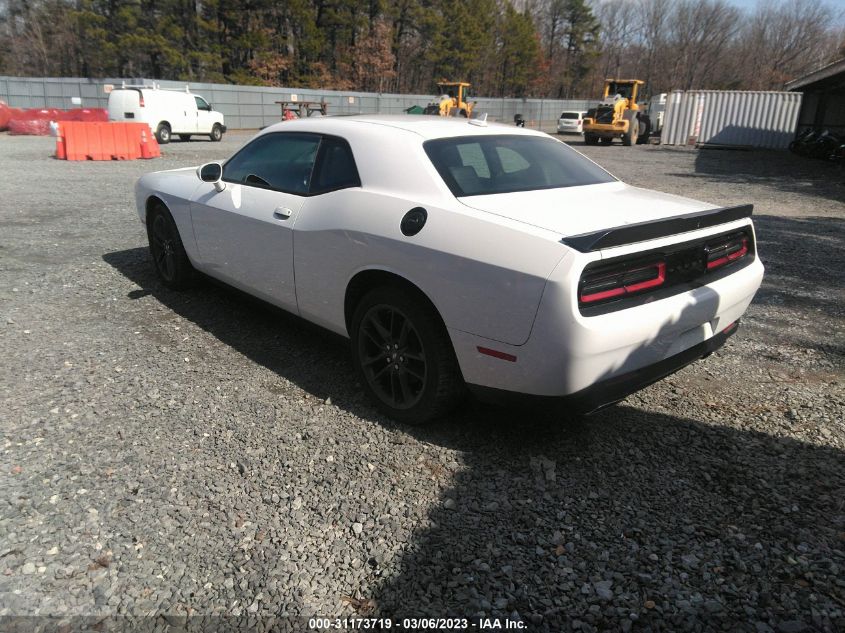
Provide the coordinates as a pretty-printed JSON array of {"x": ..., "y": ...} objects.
[
  {"x": 622, "y": 282},
  {"x": 579, "y": 121},
  {"x": 141, "y": 101},
  {"x": 726, "y": 253}
]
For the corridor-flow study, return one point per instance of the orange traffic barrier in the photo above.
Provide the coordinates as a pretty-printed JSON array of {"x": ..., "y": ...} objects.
[
  {"x": 82, "y": 140},
  {"x": 61, "y": 153},
  {"x": 149, "y": 146}
]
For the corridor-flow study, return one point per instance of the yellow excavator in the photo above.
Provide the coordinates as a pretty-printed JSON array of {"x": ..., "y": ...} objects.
[
  {"x": 618, "y": 115},
  {"x": 452, "y": 100}
]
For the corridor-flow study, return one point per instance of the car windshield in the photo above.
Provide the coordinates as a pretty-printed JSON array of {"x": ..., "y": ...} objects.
[
  {"x": 568, "y": 115},
  {"x": 482, "y": 165}
]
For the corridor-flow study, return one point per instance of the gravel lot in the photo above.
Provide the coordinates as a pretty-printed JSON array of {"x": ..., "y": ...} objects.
[{"x": 197, "y": 454}]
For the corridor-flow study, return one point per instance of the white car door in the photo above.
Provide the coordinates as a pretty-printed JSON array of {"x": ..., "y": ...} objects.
[
  {"x": 203, "y": 119},
  {"x": 244, "y": 233}
]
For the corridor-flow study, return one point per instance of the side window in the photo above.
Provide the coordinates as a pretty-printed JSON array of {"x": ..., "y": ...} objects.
[
  {"x": 335, "y": 167},
  {"x": 283, "y": 162},
  {"x": 201, "y": 103}
]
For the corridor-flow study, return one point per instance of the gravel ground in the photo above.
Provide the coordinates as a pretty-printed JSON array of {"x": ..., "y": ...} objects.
[{"x": 197, "y": 454}]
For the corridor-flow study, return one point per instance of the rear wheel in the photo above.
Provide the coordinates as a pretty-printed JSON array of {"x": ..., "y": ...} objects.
[
  {"x": 163, "y": 133},
  {"x": 216, "y": 132},
  {"x": 591, "y": 139},
  {"x": 644, "y": 132},
  {"x": 404, "y": 356},
  {"x": 169, "y": 257}
]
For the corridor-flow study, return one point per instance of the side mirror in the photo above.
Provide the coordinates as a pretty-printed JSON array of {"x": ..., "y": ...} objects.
[
  {"x": 210, "y": 108},
  {"x": 213, "y": 173}
]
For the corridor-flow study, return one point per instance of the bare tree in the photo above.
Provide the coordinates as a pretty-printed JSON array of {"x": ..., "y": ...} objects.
[
  {"x": 699, "y": 33},
  {"x": 780, "y": 42},
  {"x": 653, "y": 16},
  {"x": 619, "y": 26}
]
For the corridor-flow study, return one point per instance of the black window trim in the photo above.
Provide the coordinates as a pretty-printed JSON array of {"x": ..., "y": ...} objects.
[{"x": 317, "y": 159}]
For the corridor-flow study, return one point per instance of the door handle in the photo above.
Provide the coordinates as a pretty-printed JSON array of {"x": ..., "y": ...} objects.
[{"x": 282, "y": 213}]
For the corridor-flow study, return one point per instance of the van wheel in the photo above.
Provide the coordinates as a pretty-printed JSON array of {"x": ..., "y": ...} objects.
[
  {"x": 185, "y": 137},
  {"x": 163, "y": 133},
  {"x": 216, "y": 132}
]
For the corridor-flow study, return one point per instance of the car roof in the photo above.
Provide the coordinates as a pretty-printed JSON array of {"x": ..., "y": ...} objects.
[{"x": 426, "y": 126}]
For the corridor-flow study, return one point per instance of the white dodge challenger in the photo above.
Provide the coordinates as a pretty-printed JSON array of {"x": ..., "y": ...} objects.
[{"x": 457, "y": 255}]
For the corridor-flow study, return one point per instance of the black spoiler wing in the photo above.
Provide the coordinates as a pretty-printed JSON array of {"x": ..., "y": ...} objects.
[{"x": 642, "y": 231}]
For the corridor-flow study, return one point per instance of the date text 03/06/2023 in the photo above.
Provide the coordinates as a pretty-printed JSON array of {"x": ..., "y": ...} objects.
[{"x": 415, "y": 624}]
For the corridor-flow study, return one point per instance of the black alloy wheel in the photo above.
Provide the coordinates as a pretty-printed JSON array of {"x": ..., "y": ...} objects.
[
  {"x": 404, "y": 356},
  {"x": 169, "y": 257},
  {"x": 162, "y": 248},
  {"x": 392, "y": 357}
]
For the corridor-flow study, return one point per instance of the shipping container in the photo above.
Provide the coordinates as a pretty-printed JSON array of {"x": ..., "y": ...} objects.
[{"x": 731, "y": 118}]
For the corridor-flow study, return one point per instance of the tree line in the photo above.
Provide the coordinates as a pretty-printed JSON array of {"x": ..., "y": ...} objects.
[{"x": 506, "y": 48}]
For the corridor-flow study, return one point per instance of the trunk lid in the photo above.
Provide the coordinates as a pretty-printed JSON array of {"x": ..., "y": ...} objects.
[{"x": 576, "y": 210}]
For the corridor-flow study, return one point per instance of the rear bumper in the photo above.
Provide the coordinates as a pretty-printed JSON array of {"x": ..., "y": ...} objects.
[
  {"x": 612, "y": 390},
  {"x": 569, "y": 352}
]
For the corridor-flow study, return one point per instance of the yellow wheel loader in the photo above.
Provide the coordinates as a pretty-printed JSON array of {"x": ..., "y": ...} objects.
[
  {"x": 618, "y": 115},
  {"x": 452, "y": 100}
]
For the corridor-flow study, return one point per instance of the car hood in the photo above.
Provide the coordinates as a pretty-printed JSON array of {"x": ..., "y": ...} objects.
[{"x": 575, "y": 210}]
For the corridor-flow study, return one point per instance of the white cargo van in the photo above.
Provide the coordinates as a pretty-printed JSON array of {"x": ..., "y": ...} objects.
[{"x": 167, "y": 112}]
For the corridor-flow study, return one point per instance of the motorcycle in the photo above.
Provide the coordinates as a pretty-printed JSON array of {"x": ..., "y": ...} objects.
[{"x": 803, "y": 141}]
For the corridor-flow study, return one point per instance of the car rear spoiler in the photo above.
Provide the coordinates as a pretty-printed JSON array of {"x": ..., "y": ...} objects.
[{"x": 642, "y": 231}]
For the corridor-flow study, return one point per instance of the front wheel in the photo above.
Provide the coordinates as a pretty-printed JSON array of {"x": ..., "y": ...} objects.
[
  {"x": 169, "y": 257},
  {"x": 404, "y": 356},
  {"x": 216, "y": 133}
]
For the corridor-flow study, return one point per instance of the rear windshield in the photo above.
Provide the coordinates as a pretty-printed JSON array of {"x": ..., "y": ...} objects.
[
  {"x": 482, "y": 165},
  {"x": 568, "y": 115}
]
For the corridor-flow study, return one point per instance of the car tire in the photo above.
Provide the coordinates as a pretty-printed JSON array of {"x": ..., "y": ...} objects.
[
  {"x": 404, "y": 357},
  {"x": 591, "y": 139},
  {"x": 163, "y": 133},
  {"x": 170, "y": 260},
  {"x": 216, "y": 133},
  {"x": 185, "y": 137}
]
